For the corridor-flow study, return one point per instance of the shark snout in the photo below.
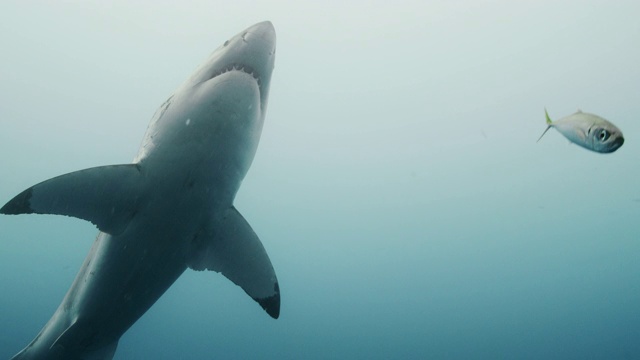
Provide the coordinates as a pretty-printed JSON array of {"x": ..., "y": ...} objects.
[
  {"x": 251, "y": 51},
  {"x": 263, "y": 29},
  {"x": 264, "y": 33},
  {"x": 254, "y": 47}
]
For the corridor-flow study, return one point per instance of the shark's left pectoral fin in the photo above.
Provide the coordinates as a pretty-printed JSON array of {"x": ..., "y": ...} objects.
[
  {"x": 107, "y": 196},
  {"x": 230, "y": 246}
]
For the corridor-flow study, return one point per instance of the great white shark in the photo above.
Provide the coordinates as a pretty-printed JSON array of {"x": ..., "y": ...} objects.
[{"x": 169, "y": 210}]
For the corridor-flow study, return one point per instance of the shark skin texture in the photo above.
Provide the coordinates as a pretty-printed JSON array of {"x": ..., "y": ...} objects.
[{"x": 170, "y": 210}]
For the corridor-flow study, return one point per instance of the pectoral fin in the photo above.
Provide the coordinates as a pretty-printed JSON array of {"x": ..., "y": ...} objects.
[
  {"x": 107, "y": 196},
  {"x": 231, "y": 247}
]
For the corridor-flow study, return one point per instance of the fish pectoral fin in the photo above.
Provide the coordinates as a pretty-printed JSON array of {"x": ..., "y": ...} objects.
[
  {"x": 107, "y": 196},
  {"x": 230, "y": 246}
]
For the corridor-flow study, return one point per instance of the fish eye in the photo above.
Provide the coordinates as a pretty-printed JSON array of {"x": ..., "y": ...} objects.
[{"x": 603, "y": 135}]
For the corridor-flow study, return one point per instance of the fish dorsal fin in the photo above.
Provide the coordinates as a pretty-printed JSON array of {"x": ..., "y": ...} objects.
[
  {"x": 230, "y": 246},
  {"x": 107, "y": 196},
  {"x": 579, "y": 111}
]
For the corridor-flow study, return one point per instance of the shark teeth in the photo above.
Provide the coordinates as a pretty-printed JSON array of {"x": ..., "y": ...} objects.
[{"x": 238, "y": 67}]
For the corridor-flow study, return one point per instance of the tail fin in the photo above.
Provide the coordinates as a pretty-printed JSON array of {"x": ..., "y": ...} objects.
[{"x": 546, "y": 115}]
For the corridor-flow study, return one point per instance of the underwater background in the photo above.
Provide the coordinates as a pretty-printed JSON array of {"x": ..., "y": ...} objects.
[{"x": 398, "y": 187}]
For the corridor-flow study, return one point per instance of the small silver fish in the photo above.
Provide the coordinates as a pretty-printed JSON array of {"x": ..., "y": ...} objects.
[{"x": 587, "y": 130}]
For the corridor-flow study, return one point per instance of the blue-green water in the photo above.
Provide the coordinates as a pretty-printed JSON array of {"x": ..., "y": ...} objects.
[{"x": 398, "y": 187}]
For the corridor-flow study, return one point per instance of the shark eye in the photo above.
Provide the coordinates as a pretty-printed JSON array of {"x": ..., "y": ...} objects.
[{"x": 603, "y": 135}]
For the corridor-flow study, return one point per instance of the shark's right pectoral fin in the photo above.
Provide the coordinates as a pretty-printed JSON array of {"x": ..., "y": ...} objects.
[
  {"x": 231, "y": 247},
  {"x": 107, "y": 196}
]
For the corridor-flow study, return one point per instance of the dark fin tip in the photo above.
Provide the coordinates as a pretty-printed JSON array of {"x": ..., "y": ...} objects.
[
  {"x": 271, "y": 304},
  {"x": 21, "y": 204}
]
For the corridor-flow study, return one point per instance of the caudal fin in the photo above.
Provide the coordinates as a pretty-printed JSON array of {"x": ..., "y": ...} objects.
[
  {"x": 549, "y": 122},
  {"x": 546, "y": 115}
]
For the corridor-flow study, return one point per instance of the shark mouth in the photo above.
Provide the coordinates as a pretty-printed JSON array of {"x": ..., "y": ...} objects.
[{"x": 238, "y": 67}]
